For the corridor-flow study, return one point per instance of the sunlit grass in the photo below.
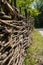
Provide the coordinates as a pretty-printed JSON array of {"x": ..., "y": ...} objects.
[{"x": 36, "y": 49}]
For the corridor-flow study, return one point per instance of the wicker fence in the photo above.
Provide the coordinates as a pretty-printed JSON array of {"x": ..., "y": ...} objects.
[{"x": 15, "y": 38}]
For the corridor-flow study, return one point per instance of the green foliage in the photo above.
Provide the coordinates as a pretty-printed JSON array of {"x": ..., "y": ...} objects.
[
  {"x": 24, "y": 4},
  {"x": 34, "y": 12},
  {"x": 29, "y": 61},
  {"x": 11, "y": 1},
  {"x": 39, "y": 5},
  {"x": 39, "y": 19}
]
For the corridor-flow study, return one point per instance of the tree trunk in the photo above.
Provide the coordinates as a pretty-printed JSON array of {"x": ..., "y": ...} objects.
[
  {"x": 11, "y": 3},
  {"x": 15, "y": 3},
  {"x": 20, "y": 10},
  {"x": 0, "y": 7},
  {"x": 26, "y": 13}
]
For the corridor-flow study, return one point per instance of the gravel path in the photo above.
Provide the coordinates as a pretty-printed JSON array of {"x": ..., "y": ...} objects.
[{"x": 41, "y": 31}]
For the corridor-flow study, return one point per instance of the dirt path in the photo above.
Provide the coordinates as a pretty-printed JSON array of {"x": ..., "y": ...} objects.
[{"x": 41, "y": 31}]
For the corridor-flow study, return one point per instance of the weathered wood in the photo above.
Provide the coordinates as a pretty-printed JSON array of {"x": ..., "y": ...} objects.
[
  {"x": 19, "y": 39},
  {"x": 5, "y": 17},
  {"x": 2, "y": 13},
  {"x": 15, "y": 36},
  {"x": 14, "y": 13}
]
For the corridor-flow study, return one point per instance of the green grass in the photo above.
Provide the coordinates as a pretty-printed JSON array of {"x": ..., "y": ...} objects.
[{"x": 35, "y": 52}]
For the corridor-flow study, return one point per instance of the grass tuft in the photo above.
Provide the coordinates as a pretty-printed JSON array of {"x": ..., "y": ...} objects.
[{"x": 35, "y": 52}]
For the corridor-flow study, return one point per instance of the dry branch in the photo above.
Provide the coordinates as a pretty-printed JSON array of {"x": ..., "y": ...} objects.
[
  {"x": 13, "y": 11},
  {"x": 15, "y": 37}
]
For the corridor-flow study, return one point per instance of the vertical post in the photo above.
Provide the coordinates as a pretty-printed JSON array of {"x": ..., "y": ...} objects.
[
  {"x": 0, "y": 5},
  {"x": 11, "y": 2},
  {"x": 25, "y": 12},
  {"x": 15, "y": 3},
  {"x": 20, "y": 10}
]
